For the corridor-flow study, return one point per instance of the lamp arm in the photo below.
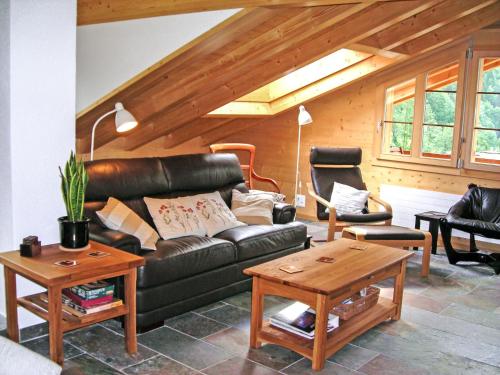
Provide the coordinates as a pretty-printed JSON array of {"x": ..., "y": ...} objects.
[{"x": 93, "y": 132}]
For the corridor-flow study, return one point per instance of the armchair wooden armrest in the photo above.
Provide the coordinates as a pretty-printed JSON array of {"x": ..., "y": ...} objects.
[
  {"x": 317, "y": 198},
  {"x": 332, "y": 219},
  {"x": 266, "y": 179},
  {"x": 376, "y": 199}
]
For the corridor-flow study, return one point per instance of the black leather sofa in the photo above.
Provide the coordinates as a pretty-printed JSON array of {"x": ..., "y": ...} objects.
[{"x": 189, "y": 272}]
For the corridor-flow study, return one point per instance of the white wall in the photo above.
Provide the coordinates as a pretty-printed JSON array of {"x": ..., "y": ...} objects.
[
  {"x": 109, "y": 54},
  {"x": 5, "y": 172},
  {"x": 42, "y": 119}
]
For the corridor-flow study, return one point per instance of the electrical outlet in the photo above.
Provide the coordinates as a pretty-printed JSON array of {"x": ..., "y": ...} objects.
[{"x": 300, "y": 201}]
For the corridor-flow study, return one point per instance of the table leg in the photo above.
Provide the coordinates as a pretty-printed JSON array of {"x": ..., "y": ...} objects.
[
  {"x": 11, "y": 304},
  {"x": 417, "y": 226},
  {"x": 426, "y": 257},
  {"x": 55, "y": 324},
  {"x": 434, "y": 229},
  {"x": 257, "y": 313},
  {"x": 320, "y": 333},
  {"x": 397, "y": 297},
  {"x": 130, "y": 280}
]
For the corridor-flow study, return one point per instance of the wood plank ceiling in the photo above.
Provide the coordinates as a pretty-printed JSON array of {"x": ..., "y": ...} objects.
[{"x": 258, "y": 46}]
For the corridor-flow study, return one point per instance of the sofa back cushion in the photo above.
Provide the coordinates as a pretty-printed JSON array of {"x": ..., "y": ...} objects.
[{"x": 130, "y": 180}]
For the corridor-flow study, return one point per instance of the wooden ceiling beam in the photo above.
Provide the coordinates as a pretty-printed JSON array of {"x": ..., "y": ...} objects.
[
  {"x": 424, "y": 22},
  {"x": 192, "y": 130},
  {"x": 100, "y": 11},
  {"x": 225, "y": 131},
  {"x": 170, "y": 67},
  {"x": 452, "y": 31},
  {"x": 306, "y": 49}
]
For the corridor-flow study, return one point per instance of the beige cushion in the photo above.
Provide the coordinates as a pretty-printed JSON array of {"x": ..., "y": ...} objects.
[
  {"x": 214, "y": 213},
  {"x": 276, "y": 197},
  {"x": 252, "y": 208},
  {"x": 175, "y": 217},
  {"x": 117, "y": 216}
]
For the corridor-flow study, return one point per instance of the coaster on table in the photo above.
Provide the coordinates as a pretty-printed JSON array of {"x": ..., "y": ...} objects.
[
  {"x": 98, "y": 254},
  {"x": 291, "y": 269},
  {"x": 358, "y": 247},
  {"x": 66, "y": 263}
]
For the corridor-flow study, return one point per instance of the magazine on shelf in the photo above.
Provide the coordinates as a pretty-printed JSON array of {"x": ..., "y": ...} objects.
[
  {"x": 300, "y": 319},
  {"x": 93, "y": 290},
  {"x": 69, "y": 306}
]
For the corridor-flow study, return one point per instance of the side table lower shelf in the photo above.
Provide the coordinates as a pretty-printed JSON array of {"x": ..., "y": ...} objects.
[
  {"x": 37, "y": 306},
  {"x": 348, "y": 330}
]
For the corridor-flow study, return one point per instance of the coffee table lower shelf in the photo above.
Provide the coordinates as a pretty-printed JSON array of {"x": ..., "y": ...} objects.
[{"x": 348, "y": 330}]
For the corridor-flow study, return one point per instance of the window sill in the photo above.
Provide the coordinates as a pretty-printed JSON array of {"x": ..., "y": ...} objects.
[{"x": 398, "y": 164}]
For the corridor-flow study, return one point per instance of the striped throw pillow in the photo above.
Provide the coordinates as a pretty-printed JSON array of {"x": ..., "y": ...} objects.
[
  {"x": 348, "y": 200},
  {"x": 117, "y": 216}
]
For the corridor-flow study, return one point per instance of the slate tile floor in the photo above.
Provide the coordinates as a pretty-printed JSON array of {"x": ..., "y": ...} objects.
[{"x": 450, "y": 325}]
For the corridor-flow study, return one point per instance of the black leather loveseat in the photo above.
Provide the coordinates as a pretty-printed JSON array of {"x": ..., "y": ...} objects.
[{"x": 192, "y": 271}]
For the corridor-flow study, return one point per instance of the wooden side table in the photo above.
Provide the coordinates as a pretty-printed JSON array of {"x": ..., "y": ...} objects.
[
  {"x": 43, "y": 271},
  {"x": 433, "y": 218}
]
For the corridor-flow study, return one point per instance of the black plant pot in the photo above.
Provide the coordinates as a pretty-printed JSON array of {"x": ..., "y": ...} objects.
[{"x": 74, "y": 234}]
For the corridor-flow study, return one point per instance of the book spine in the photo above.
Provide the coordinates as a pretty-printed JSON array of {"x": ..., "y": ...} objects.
[
  {"x": 87, "y": 303},
  {"x": 93, "y": 293}
]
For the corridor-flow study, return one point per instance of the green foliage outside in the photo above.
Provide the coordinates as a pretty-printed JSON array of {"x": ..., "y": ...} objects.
[{"x": 440, "y": 109}]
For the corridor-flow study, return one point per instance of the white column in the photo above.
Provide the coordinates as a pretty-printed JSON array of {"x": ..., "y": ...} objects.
[{"x": 42, "y": 119}]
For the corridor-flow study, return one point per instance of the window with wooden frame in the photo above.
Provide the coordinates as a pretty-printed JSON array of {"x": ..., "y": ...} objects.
[
  {"x": 482, "y": 136},
  {"x": 422, "y": 117}
]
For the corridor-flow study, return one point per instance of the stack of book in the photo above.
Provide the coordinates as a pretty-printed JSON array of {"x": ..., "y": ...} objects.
[
  {"x": 300, "y": 319},
  {"x": 89, "y": 298}
]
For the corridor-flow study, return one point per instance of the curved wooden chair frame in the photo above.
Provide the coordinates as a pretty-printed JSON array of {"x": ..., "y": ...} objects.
[{"x": 252, "y": 175}]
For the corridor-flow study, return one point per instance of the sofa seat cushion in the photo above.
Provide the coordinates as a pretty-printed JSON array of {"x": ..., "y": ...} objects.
[
  {"x": 257, "y": 240},
  {"x": 183, "y": 257}
]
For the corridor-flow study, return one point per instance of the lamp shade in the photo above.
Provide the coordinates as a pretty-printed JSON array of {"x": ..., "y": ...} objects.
[
  {"x": 124, "y": 120},
  {"x": 304, "y": 116}
]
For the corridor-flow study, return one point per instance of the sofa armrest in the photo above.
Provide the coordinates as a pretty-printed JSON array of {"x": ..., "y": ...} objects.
[
  {"x": 283, "y": 213},
  {"x": 115, "y": 238}
]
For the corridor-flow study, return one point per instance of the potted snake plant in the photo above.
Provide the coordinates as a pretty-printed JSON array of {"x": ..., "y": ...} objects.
[{"x": 74, "y": 227}]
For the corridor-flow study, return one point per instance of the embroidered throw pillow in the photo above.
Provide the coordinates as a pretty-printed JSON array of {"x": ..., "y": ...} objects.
[
  {"x": 252, "y": 208},
  {"x": 117, "y": 216},
  {"x": 175, "y": 218},
  {"x": 214, "y": 213},
  {"x": 348, "y": 200}
]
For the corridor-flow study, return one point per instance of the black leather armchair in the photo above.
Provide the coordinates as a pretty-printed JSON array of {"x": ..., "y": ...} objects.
[
  {"x": 330, "y": 165},
  {"x": 477, "y": 213}
]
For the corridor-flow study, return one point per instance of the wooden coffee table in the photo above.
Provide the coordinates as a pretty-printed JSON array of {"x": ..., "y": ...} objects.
[
  {"x": 45, "y": 273},
  {"x": 322, "y": 286}
]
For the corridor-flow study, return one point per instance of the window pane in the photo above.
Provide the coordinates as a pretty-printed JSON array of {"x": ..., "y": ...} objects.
[
  {"x": 400, "y": 102},
  {"x": 440, "y": 108},
  {"x": 440, "y": 95},
  {"x": 400, "y": 138},
  {"x": 489, "y": 79},
  {"x": 487, "y": 147},
  {"x": 437, "y": 141},
  {"x": 488, "y": 106}
]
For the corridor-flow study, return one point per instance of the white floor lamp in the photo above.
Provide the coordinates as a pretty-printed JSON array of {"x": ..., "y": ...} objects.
[
  {"x": 303, "y": 119},
  {"x": 124, "y": 121}
]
